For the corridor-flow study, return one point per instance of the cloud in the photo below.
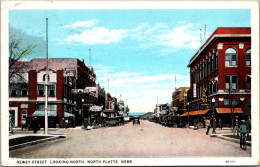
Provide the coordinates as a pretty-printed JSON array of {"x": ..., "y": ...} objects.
[
  {"x": 83, "y": 24},
  {"x": 181, "y": 37},
  {"x": 97, "y": 35},
  {"x": 141, "y": 89}
]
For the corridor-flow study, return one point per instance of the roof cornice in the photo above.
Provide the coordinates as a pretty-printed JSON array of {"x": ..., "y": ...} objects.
[{"x": 213, "y": 38}]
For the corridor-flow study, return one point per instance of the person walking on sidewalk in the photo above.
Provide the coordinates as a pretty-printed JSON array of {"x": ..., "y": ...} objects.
[
  {"x": 235, "y": 130},
  {"x": 207, "y": 125}
]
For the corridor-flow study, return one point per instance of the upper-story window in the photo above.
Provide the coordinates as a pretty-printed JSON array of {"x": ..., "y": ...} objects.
[
  {"x": 231, "y": 82},
  {"x": 216, "y": 60},
  {"x": 230, "y": 57},
  {"x": 248, "y": 82},
  {"x": 44, "y": 76},
  {"x": 20, "y": 89},
  {"x": 51, "y": 89},
  {"x": 248, "y": 57}
]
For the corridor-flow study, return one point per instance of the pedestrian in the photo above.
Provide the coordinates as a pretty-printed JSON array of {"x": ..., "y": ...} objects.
[
  {"x": 207, "y": 125},
  {"x": 248, "y": 124},
  {"x": 220, "y": 123},
  {"x": 235, "y": 130},
  {"x": 242, "y": 130}
]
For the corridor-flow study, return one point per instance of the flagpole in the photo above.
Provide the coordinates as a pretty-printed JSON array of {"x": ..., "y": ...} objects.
[{"x": 46, "y": 82}]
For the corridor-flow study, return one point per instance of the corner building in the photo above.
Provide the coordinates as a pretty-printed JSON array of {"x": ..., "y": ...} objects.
[
  {"x": 222, "y": 65},
  {"x": 27, "y": 94}
]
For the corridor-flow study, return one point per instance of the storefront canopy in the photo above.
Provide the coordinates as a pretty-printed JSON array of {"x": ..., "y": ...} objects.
[
  {"x": 228, "y": 110},
  {"x": 66, "y": 114},
  {"x": 198, "y": 112},
  {"x": 39, "y": 113}
]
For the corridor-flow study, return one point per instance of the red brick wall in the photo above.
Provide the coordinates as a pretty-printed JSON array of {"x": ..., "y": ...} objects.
[
  {"x": 59, "y": 112},
  {"x": 32, "y": 85},
  {"x": 31, "y": 108},
  {"x": 59, "y": 91}
]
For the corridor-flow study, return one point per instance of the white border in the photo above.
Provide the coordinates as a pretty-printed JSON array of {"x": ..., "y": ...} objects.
[{"x": 253, "y": 5}]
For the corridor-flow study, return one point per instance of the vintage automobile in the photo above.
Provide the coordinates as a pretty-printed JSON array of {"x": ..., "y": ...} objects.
[{"x": 136, "y": 121}]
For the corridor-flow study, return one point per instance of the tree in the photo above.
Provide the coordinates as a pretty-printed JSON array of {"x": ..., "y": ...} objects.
[{"x": 18, "y": 51}]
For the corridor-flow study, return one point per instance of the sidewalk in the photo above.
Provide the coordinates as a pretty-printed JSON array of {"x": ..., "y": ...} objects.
[
  {"x": 53, "y": 135},
  {"x": 221, "y": 132}
]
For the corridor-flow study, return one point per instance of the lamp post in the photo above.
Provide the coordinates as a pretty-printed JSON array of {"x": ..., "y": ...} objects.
[
  {"x": 214, "y": 119},
  {"x": 188, "y": 104}
]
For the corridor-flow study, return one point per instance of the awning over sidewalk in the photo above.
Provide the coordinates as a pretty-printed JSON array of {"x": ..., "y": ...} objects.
[
  {"x": 198, "y": 112},
  {"x": 52, "y": 113},
  {"x": 228, "y": 110},
  {"x": 66, "y": 114}
]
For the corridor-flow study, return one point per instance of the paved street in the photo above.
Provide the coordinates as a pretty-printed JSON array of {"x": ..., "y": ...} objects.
[{"x": 145, "y": 140}]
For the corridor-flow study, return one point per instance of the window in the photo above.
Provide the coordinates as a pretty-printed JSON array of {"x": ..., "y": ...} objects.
[
  {"x": 24, "y": 89},
  {"x": 41, "y": 89},
  {"x": 216, "y": 60},
  {"x": 44, "y": 76},
  {"x": 230, "y": 57},
  {"x": 51, "y": 90},
  {"x": 248, "y": 82},
  {"x": 24, "y": 114},
  {"x": 18, "y": 89},
  {"x": 232, "y": 102},
  {"x": 231, "y": 82},
  {"x": 248, "y": 57},
  {"x": 209, "y": 66}
]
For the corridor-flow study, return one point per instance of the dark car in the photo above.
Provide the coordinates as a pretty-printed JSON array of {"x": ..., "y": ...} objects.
[{"x": 136, "y": 121}]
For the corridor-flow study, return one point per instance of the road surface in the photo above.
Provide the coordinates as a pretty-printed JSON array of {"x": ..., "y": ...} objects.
[{"x": 146, "y": 140}]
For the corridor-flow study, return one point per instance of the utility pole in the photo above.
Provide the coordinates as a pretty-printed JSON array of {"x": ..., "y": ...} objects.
[{"x": 46, "y": 82}]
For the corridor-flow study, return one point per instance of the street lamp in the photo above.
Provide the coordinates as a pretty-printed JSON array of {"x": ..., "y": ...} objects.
[{"x": 214, "y": 119}]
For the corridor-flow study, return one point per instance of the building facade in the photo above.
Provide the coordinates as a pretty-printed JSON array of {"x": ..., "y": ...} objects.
[
  {"x": 27, "y": 93},
  {"x": 179, "y": 99},
  {"x": 221, "y": 69}
]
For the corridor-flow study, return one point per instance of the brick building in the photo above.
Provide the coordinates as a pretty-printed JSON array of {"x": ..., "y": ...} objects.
[
  {"x": 179, "y": 99},
  {"x": 27, "y": 93},
  {"x": 221, "y": 69}
]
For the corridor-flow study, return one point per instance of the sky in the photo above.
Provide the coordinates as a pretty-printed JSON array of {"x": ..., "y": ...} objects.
[{"x": 139, "y": 51}]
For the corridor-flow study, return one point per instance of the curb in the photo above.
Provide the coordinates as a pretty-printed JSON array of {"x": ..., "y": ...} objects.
[
  {"x": 229, "y": 139},
  {"x": 35, "y": 142}
]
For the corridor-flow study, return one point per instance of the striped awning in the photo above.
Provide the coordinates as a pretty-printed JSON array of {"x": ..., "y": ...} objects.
[
  {"x": 228, "y": 110},
  {"x": 198, "y": 112},
  {"x": 52, "y": 113}
]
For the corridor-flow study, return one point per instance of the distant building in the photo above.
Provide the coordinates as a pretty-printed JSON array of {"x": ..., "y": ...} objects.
[
  {"x": 221, "y": 69},
  {"x": 179, "y": 99}
]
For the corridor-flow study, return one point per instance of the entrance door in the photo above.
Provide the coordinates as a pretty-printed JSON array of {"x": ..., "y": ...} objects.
[{"x": 12, "y": 116}]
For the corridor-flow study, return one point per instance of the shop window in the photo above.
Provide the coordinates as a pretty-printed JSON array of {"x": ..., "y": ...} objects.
[
  {"x": 24, "y": 114},
  {"x": 230, "y": 57},
  {"x": 231, "y": 82},
  {"x": 248, "y": 57}
]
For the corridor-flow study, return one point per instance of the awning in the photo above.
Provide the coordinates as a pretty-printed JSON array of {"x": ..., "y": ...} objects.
[
  {"x": 66, "y": 114},
  {"x": 198, "y": 112},
  {"x": 228, "y": 110},
  {"x": 39, "y": 113}
]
